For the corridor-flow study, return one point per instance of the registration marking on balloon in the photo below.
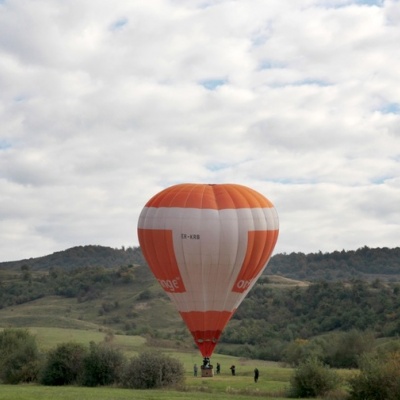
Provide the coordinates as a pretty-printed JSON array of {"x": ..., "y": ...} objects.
[{"x": 207, "y": 245}]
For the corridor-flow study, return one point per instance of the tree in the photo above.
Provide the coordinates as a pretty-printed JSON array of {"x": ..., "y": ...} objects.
[
  {"x": 343, "y": 350},
  {"x": 379, "y": 378},
  {"x": 26, "y": 272},
  {"x": 19, "y": 361},
  {"x": 103, "y": 365},
  {"x": 153, "y": 370},
  {"x": 64, "y": 364},
  {"x": 312, "y": 378}
]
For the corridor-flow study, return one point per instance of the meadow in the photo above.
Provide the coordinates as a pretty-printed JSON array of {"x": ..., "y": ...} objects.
[
  {"x": 273, "y": 381},
  {"x": 28, "y": 392}
]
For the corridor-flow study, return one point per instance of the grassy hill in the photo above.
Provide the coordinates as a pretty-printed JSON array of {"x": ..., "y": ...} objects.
[
  {"x": 80, "y": 256},
  {"x": 364, "y": 263},
  {"x": 105, "y": 290},
  {"x": 117, "y": 294},
  {"x": 91, "y": 287},
  {"x": 128, "y": 301},
  {"x": 273, "y": 378}
]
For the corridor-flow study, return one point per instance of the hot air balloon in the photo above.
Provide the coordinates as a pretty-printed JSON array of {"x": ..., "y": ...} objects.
[{"x": 207, "y": 245}]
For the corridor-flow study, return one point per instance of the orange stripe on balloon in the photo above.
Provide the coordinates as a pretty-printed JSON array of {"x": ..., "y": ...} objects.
[
  {"x": 259, "y": 248},
  {"x": 203, "y": 321},
  {"x": 206, "y": 348},
  {"x": 218, "y": 197},
  {"x": 158, "y": 250},
  {"x": 206, "y": 327}
]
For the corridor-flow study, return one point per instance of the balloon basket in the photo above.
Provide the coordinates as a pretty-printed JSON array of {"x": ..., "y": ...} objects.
[{"x": 207, "y": 372}]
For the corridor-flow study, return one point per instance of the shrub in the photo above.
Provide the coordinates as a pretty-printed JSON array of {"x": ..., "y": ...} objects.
[
  {"x": 379, "y": 378},
  {"x": 64, "y": 364},
  {"x": 153, "y": 370},
  {"x": 19, "y": 361},
  {"x": 300, "y": 350},
  {"x": 312, "y": 378},
  {"x": 343, "y": 350},
  {"x": 103, "y": 365},
  {"x": 336, "y": 394}
]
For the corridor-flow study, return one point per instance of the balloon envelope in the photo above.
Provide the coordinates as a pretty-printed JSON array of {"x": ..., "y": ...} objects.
[{"x": 207, "y": 245}]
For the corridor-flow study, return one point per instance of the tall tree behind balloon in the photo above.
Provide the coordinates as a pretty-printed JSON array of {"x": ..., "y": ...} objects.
[{"x": 207, "y": 245}]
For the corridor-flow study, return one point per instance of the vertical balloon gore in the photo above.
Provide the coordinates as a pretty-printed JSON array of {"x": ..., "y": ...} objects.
[{"x": 207, "y": 245}]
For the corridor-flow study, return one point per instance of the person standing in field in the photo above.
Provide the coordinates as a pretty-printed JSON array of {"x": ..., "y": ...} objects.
[
  {"x": 256, "y": 375},
  {"x": 218, "y": 368}
]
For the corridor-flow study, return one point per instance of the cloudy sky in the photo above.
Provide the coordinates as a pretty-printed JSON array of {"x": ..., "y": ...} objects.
[{"x": 103, "y": 104}]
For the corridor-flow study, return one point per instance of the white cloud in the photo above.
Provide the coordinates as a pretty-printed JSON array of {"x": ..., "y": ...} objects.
[{"x": 104, "y": 104}]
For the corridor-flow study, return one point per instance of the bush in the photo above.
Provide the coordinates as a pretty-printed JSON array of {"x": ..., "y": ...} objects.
[
  {"x": 103, "y": 365},
  {"x": 379, "y": 378},
  {"x": 64, "y": 364},
  {"x": 300, "y": 350},
  {"x": 153, "y": 370},
  {"x": 19, "y": 361},
  {"x": 311, "y": 379},
  {"x": 343, "y": 350}
]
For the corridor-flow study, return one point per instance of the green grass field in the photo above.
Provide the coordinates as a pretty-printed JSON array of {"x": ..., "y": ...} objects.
[
  {"x": 30, "y": 392},
  {"x": 273, "y": 382}
]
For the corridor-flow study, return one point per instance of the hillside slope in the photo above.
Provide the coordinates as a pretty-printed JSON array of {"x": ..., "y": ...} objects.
[
  {"x": 81, "y": 256},
  {"x": 104, "y": 289},
  {"x": 364, "y": 263}
]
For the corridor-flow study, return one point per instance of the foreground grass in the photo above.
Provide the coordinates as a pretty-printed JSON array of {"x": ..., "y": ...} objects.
[
  {"x": 272, "y": 385},
  {"x": 33, "y": 392},
  {"x": 273, "y": 382}
]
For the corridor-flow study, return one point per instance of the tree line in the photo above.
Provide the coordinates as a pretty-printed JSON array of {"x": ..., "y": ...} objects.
[
  {"x": 363, "y": 263},
  {"x": 83, "y": 283},
  {"x": 267, "y": 316},
  {"x": 71, "y": 363},
  {"x": 265, "y": 324},
  {"x": 337, "y": 265},
  {"x": 270, "y": 318},
  {"x": 81, "y": 257},
  {"x": 103, "y": 364}
]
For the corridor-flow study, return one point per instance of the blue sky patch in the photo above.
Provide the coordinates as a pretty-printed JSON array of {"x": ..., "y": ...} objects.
[
  {"x": 390, "y": 108},
  {"x": 212, "y": 84},
  {"x": 4, "y": 144},
  {"x": 217, "y": 166},
  {"x": 379, "y": 180},
  {"x": 269, "y": 64},
  {"x": 311, "y": 82},
  {"x": 119, "y": 24},
  {"x": 20, "y": 98},
  {"x": 370, "y": 2}
]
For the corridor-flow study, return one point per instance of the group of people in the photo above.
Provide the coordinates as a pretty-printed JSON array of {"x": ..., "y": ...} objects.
[
  {"x": 256, "y": 372},
  {"x": 206, "y": 364}
]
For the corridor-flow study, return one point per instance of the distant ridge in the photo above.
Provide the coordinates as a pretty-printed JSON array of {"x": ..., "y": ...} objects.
[
  {"x": 81, "y": 256},
  {"x": 298, "y": 296},
  {"x": 364, "y": 263}
]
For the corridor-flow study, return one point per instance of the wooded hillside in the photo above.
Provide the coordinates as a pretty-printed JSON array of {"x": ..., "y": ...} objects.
[
  {"x": 81, "y": 256},
  {"x": 104, "y": 288},
  {"x": 364, "y": 263}
]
